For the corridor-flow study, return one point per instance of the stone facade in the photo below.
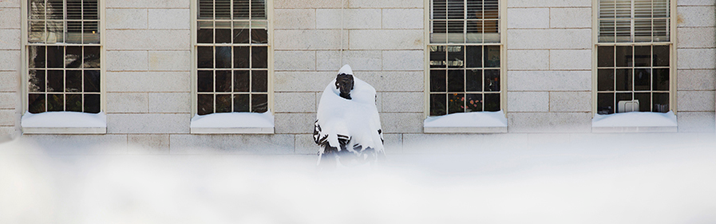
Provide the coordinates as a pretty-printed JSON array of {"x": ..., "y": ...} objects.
[{"x": 549, "y": 54}]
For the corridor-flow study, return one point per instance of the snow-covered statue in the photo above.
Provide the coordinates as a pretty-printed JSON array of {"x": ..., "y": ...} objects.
[{"x": 347, "y": 127}]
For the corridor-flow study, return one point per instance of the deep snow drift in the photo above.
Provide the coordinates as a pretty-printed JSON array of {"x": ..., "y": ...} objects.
[{"x": 535, "y": 179}]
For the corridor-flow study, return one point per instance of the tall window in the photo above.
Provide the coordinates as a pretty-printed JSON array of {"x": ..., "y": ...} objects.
[
  {"x": 464, "y": 56},
  {"x": 63, "y": 56},
  {"x": 633, "y": 56},
  {"x": 232, "y": 56}
]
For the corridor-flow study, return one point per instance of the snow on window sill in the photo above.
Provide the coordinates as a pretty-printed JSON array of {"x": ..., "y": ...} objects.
[
  {"x": 64, "y": 123},
  {"x": 635, "y": 122},
  {"x": 475, "y": 122},
  {"x": 233, "y": 123}
]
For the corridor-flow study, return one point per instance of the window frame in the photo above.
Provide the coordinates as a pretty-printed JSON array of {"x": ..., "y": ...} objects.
[
  {"x": 502, "y": 29},
  {"x": 673, "y": 104},
  {"x": 194, "y": 8}
]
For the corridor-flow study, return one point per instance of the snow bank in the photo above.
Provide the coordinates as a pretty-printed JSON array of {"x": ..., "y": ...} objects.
[
  {"x": 64, "y": 120},
  {"x": 635, "y": 119},
  {"x": 232, "y": 120},
  {"x": 474, "y": 119}
]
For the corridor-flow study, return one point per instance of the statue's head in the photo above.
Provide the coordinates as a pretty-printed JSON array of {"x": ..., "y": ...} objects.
[{"x": 344, "y": 83}]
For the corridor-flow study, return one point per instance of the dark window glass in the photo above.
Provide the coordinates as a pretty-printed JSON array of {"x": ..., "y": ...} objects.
[
  {"x": 205, "y": 81},
  {"x": 473, "y": 79},
  {"x": 438, "y": 104},
  {"x": 73, "y": 57},
  {"x": 73, "y": 82},
  {"x": 605, "y": 80},
  {"x": 36, "y": 103},
  {"x": 241, "y": 57},
  {"x": 642, "y": 79},
  {"x": 259, "y": 103},
  {"x": 624, "y": 56},
  {"x": 642, "y": 56},
  {"x": 241, "y": 9},
  {"x": 55, "y": 57},
  {"x": 438, "y": 81},
  {"x": 473, "y": 102},
  {"x": 456, "y": 57},
  {"x": 259, "y": 36},
  {"x": 259, "y": 81},
  {"x": 91, "y": 32},
  {"x": 661, "y": 102},
  {"x": 241, "y": 81},
  {"x": 492, "y": 56},
  {"x": 492, "y": 102},
  {"x": 91, "y": 57},
  {"x": 456, "y": 103},
  {"x": 223, "y": 57},
  {"x": 91, "y": 103},
  {"x": 437, "y": 56},
  {"x": 474, "y": 56},
  {"x": 55, "y": 81},
  {"x": 661, "y": 79},
  {"x": 259, "y": 57},
  {"x": 74, "y": 102},
  {"x": 606, "y": 56},
  {"x": 456, "y": 80},
  {"x": 605, "y": 103},
  {"x": 56, "y": 102},
  {"x": 661, "y": 55},
  {"x": 223, "y": 103},
  {"x": 205, "y": 104},
  {"x": 37, "y": 81},
  {"x": 205, "y": 57},
  {"x": 492, "y": 80},
  {"x": 223, "y": 33},
  {"x": 37, "y": 57},
  {"x": 241, "y": 33},
  {"x": 624, "y": 80},
  {"x": 258, "y": 9},
  {"x": 644, "y": 101},
  {"x": 205, "y": 32},
  {"x": 92, "y": 82},
  {"x": 223, "y": 83},
  {"x": 623, "y": 97},
  {"x": 241, "y": 103}
]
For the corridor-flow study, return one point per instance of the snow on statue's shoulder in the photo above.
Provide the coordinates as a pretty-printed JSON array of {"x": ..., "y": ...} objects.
[
  {"x": 475, "y": 119},
  {"x": 635, "y": 119}
]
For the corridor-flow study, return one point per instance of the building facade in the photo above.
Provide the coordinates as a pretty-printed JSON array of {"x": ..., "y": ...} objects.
[{"x": 246, "y": 76}]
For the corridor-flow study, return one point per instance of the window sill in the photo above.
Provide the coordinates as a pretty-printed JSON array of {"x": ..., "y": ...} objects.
[
  {"x": 635, "y": 122},
  {"x": 64, "y": 123},
  {"x": 233, "y": 123},
  {"x": 476, "y": 122}
]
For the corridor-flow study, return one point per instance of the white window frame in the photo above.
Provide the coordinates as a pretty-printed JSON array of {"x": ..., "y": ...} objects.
[
  {"x": 469, "y": 127},
  {"x": 636, "y": 127},
  {"x": 235, "y": 121},
  {"x": 76, "y": 123}
]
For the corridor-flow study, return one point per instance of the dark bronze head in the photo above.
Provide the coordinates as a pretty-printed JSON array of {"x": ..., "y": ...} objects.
[{"x": 344, "y": 83}]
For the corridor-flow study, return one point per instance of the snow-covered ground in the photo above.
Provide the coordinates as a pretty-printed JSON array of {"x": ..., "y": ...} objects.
[{"x": 589, "y": 180}]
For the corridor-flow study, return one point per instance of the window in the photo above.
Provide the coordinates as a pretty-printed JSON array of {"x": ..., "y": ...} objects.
[
  {"x": 464, "y": 53},
  {"x": 232, "y": 56},
  {"x": 63, "y": 51},
  {"x": 633, "y": 56}
]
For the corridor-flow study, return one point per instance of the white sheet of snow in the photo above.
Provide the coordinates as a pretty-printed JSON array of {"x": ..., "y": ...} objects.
[
  {"x": 357, "y": 118},
  {"x": 64, "y": 120},
  {"x": 233, "y": 120},
  {"x": 635, "y": 119},
  {"x": 473, "y": 119}
]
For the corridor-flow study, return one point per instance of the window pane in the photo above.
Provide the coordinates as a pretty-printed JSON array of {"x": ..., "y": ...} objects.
[
  {"x": 474, "y": 56},
  {"x": 223, "y": 57},
  {"x": 241, "y": 57},
  {"x": 623, "y": 97},
  {"x": 624, "y": 80},
  {"x": 259, "y": 103},
  {"x": 474, "y": 9},
  {"x": 438, "y": 32},
  {"x": 205, "y": 32},
  {"x": 437, "y": 104},
  {"x": 491, "y": 9},
  {"x": 206, "y": 9},
  {"x": 661, "y": 55},
  {"x": 492, "y": 102},
  {"x": 55, "y": 31},
  {"x": 205, "y": 81},
  {"x": 36, "y": 32},
  {"x": 223, "y": 103},
  {"x": 73, "y": 81},
  {"x": 55, "y": 57},
  {"x": 661, "y": 102},
  {"x": 223, "y": 82},
  {"x": 36, "y": 103},
  {"x": 456, "y": 80},
  {"x": 661, "y": 79},
  {"x": 241, "y": 103},
  {"x": 456, "y": 31},
  {"x": 205, "y": 57},
  {"x": 605, "y": 103},
  {"x": 492, "y": 80},
  {"x": 456, "y": 9},
  {"x": 456, "y": 57},
  {"x": 91, "y": 32},
  {"x": 37, "y": 81},
  {"x": 437, "y": 56},
  {"x": 456, "y": 103},
  {"x": 438, "y": 81},
  {"x": 55, "y": 81},
  {"x": 90, "y": 9},
  {"x": 74, "y": 102},
  {"x": 259, "y": 81},
  {"x": 205, "y": 104},
  {"x": 222, "y": 9},
  {"x": 605, "y": 80},
  {"x": 92, "y": 81},
  {"x": 624, "y": 56},
  {"x": 642, "y": 56},
  {"x": 37, "y": 9},
  {"x": 258, "y": 9},
  {"x": 642, "y": 79},
  {"x": 492, "y": 56},
  {"x": 241, "y": 32},
  {"x": 644, "y": 101},
  {"x": 55, "y": 102},
  {"x": 91, "y": 103},
  {"x": 241, "y": 9},
  {"x": 473, "y": 102},
  {"x": 661, "y": 30},
  {"x": 241, "y": 81},
  {"x": 74, "y": 32},
  {"x": 222, "y": 33},
  {"x": 259, "y": 57},
  {"x": 73, "y": 57},
  {"x": 606, "y": 56},
  {"x": 37, "y": 56},
  {"x": 473, "y": 79},
  {"x": 439, "y": 9},
  {"x": 91, "y": 57},
  {"x": 55, "y": 9},
  {"x": 259, "y": 34}
]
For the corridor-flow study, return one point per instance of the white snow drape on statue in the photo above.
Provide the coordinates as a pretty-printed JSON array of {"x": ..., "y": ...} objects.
[{"x": 357, "y": 118}]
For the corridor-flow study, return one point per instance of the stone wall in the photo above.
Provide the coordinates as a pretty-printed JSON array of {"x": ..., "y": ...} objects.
[{"x": 10, "y": 65}]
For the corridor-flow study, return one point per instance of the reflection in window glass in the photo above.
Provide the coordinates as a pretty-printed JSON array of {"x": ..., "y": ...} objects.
[{"x": 232, "y": 56}]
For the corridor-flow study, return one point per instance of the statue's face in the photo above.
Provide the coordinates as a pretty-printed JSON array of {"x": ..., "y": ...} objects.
[{"x": 344, "y": 83}]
